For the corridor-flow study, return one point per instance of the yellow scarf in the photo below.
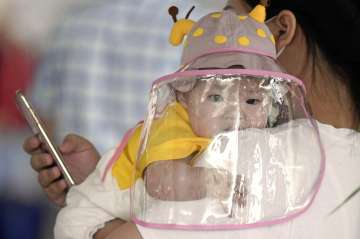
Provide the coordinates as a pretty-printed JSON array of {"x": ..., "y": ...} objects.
[{"x": 170, "y": 137}]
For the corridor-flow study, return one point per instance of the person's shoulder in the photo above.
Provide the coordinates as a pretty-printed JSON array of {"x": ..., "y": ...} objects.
[
  {"x": 340, "y": 145},
  {"x": 344, "y": 135}
]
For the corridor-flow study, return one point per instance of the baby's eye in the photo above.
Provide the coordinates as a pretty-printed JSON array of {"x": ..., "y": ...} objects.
[
  {"x": 253, "y": 101},
  {"x": 215, "y": 98}
]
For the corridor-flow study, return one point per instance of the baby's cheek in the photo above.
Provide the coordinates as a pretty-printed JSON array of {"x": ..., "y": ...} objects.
[
  {"x": 253, "y": 117},
  {"x": 210, "y": 127},
  {"x": 261, "y": 123},
  {"x": 223, "y": 124},
  {"x": 202, "y": 128},
  {"x": 218, "y": 110},
  {"x": 259, "y": 119}
]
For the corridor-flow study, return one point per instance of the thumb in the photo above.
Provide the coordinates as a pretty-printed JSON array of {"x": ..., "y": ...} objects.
[{"x": 74, "y": 143}]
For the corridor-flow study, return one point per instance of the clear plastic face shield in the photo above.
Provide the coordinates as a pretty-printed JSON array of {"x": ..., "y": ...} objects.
[{"x": 226, "y": 149}]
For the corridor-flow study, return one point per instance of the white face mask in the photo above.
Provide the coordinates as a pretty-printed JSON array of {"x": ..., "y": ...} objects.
[{"x": 280, "y": 51}]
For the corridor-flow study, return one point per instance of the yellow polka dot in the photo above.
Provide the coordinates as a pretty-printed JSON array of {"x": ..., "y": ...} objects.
[
  {"x": 272, "y": 39},
  {"x": 261, "y": 33},
  {"x": 198, "y": 32},
  {"x": 244, "y": 41},
  {"x": 216, "y": 15},
  {"x": 242, "y": 17},
  {"x": 220, "y": 39}
]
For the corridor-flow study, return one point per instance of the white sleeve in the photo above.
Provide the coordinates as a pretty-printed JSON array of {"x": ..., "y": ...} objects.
[{"x": 91, "y": 204}]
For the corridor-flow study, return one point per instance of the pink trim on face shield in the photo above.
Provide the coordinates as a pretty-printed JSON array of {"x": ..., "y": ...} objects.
[{"x": 118, "y": 152}]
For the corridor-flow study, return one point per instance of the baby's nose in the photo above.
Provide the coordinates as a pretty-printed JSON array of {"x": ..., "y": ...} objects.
[
  {"x": 235, "y": 116},
  {"x": 234, "y": 108}
]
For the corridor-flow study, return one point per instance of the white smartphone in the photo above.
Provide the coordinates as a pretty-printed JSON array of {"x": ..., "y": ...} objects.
[{"x": 38, "y": 128}]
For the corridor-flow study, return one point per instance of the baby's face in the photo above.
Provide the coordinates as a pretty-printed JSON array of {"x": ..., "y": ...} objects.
[{"x": 216, "y": 106}]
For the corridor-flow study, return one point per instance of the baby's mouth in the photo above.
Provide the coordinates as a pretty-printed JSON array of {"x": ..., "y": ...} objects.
[
  {"x": 228, "y": 129},
  {"x": 233, "y": 128}
]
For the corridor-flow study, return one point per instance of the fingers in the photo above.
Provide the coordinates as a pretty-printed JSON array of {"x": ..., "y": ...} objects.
[
  {"x": 41, "y": 161},
  {"x": 48, "y": 176},
  {"x": 54, "y": 186},
  {"x": 56, "y": 192},
  {"x": 31, "y": 144}
]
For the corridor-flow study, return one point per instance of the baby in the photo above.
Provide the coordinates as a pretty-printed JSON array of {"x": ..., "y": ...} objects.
[
  {"x": 162, "y": 158},
  {"x": 213, "y": 106},
  {"x": 172, "y": 148}
]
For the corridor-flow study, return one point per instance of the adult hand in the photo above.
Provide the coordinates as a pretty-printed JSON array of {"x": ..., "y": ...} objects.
[{"x": 80, "y": 156}]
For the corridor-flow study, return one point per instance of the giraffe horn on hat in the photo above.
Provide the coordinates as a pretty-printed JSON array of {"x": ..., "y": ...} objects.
[
  {"x": 180, "y": 28},
  {"x": 259, "y": 12}
]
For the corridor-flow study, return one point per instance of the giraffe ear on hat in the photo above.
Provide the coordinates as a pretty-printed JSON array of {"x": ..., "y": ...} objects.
[
  {"x": 259, "y": 11},
  {"x": 181, "y": 27}
]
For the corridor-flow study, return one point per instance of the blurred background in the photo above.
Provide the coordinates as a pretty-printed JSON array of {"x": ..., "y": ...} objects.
[
  {"x": 25, "y": 30},
  {"x": 87, "y": 65}
]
